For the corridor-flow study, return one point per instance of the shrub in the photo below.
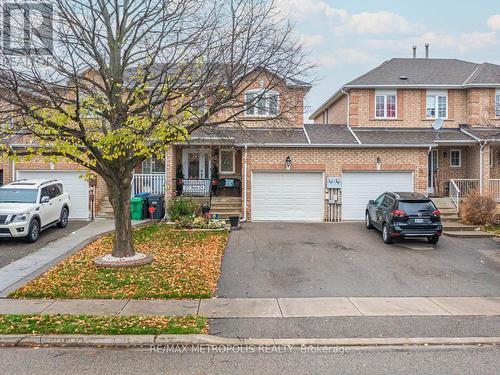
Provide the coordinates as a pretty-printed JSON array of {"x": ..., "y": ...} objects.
[
  {"x": 199, "y": 222},
  {"x": 181, "y": 208},
  {"x": 478, "y": 210}
]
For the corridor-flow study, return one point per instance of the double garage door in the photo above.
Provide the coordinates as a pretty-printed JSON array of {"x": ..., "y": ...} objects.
[
  {"x": 77, "y": 188},
  {"x": 300, "y": 196}
]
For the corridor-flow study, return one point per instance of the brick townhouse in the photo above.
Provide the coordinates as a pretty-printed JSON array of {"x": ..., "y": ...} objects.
[{"x": 372, "y": 135}]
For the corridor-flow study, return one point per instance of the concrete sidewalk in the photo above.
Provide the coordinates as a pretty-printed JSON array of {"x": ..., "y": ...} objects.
[
  {"x": 264, "y": 307},
  {"x": 23, "y": 270}
]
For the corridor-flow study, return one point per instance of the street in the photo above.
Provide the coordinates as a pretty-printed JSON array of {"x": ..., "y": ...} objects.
[{"x": 421, "y": 360}]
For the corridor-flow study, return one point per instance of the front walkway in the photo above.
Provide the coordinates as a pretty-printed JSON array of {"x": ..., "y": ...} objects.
[{"x": 264, "y": 307}]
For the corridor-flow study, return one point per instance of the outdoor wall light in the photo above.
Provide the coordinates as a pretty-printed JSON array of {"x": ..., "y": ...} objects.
[
  {"x": 444, "y": 154},
  {"x": 379, "y": 162},
  {"x": 288, "y": 163}
]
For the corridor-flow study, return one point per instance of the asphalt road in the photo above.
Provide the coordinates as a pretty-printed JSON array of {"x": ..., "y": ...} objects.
[
  {"x": 14, "y": 249},
  {"x": 337, "y": 260},
  {"x": 53, "y": 361},
  {"x": 359, "y": 326}
]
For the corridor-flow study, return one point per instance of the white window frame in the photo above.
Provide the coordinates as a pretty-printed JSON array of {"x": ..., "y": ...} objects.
[
  {"x": 220, "y": 160},
  {"x": 152, "y": 165},
  {"x": 497, "y": 103},
  {"x": 264, "y": 96},
  {"x": 436, "y": 95},
  {"x": 459, "y": 158},
  {"x": 385, "y": 94}
]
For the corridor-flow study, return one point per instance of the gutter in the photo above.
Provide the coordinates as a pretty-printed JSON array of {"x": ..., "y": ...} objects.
[{"x": 335, "y": 145}]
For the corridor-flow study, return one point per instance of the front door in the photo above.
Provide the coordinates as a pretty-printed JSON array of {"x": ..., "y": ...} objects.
[
  {"x": 432, "y": 171},
  {"x": 196, "y": 163}
]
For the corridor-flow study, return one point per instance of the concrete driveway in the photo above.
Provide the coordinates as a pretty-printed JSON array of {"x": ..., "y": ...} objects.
[
  {"x": 14, "y": 249},
  {"x": 332, "y": 260}
]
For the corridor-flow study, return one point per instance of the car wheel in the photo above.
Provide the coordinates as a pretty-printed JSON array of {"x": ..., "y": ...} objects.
[
  {"x": 63, "y": 220},
  {"x": 33, "y": 231},
  {"x": 385, "y": 234},
  {"x": 433, "y": 240},
  {"x": 368, "y": 221}
]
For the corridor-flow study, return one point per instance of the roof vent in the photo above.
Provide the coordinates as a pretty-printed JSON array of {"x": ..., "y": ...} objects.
[
  {"x": 403, "y": 78},
  {"x": 426, "y": 50}
]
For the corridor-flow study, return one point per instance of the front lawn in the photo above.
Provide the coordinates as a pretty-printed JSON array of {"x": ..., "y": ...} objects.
[
  {"x": 186, "y": 265},
  {"x": 12, "y": 324},
  {"x": 493, "y": 229}
]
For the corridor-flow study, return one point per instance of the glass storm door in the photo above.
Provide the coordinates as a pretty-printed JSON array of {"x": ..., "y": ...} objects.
[
  {"x": 196, "y": 163},
  {"x": 432, "y": 169}
]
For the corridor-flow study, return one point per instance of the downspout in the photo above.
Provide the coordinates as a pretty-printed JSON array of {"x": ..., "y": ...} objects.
[
  {"x": 245, "y": 181},
  {"x": 12, "y": 167},
  {"x": 428, "y": 171},
  {"x": 348, "y": 112},
  {"x": 481, "y": 148}
]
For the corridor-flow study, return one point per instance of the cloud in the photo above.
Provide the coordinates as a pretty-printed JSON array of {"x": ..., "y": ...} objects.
[
  {"x": 303, "y": 9},
  {"x": 346, "y": 56},
  {"x": 440, "y": 43},
  {"x": 311, "y": 41},
  {"x": 382, "y": 22},
  {"x": 494, "y": 22}
]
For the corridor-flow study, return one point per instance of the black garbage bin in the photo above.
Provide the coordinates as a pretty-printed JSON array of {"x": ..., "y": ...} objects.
[{"x": 158, "y": 202}]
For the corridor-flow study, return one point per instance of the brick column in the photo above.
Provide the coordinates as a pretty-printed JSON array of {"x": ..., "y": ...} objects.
[
  {"x": 486, "y": 169},
  {"x": 170, "y": 166}
]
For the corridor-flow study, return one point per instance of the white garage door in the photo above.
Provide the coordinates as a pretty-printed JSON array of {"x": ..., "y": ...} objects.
[
  {"x": 77, "y": 188},
  {"x": 283, "y": 196},
  {"x": 359, "y": 187}
]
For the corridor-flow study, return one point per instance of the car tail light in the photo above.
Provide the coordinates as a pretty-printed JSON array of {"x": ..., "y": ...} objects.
[
  {"x": 436, "y": 213},
  {"x": 398, "y": 213}
]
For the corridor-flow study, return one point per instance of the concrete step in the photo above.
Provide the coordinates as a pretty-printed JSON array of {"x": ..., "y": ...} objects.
[
  {"x": 452, "y": 226},
  {"x": 468, "y": 234},
  {"x": 226, "y": 204}
]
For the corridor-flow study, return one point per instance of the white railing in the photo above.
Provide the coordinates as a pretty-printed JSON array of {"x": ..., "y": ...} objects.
[
  {"x": 153, "y": 183},
  {"x": 454, "y": 193},
  {"x": 466, "y": 186},
  {"x": 495, "y": 188}
]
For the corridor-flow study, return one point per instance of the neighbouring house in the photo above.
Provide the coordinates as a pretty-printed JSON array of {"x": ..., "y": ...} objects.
[{"x": 373, "y": 135}]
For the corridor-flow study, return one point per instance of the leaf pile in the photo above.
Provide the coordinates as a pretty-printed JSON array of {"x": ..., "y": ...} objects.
[{"x": 186, "y": 265}]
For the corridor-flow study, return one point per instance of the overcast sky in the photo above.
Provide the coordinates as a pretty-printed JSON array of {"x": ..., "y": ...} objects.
[{"x": 348, "y": 38}]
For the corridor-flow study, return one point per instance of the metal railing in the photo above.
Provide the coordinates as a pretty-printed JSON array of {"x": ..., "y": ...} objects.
[
  {"x": 454, "y": 193},
  {"x": 495, "y": 188},
  {"x": 467, "y": 186},
  {"x": 194, "y": 187},
  {"x": 153, "y": 183}
]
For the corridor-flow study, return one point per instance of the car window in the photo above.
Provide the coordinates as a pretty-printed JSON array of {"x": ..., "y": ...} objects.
[
  {"x": 387, "y": 202},
  {"x": 44, "y": 192},
  {"x": 413, "y": 208},
  {"x": 9, "y": 195},
  {"x": 53, "y": 191},
  {"x": 378, "y": 201}
]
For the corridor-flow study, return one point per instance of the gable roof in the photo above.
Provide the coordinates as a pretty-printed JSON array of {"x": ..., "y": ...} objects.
[
  {"x": 428, "y": 72},
  {"x": 423, "y": 73}
]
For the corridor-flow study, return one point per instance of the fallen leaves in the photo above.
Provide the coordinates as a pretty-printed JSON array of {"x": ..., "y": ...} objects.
[{"x": 187, "y": 265}]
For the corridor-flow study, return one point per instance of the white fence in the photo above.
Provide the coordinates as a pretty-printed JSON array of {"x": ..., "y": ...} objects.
[{"x": 153, "y": 183}]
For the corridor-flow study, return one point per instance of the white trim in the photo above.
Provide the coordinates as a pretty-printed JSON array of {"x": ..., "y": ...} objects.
[
  {"x": 220, "y": 161},
  {"x": 264, "y": 94},
  {"x": 436, "y": 95},
  {"x": 203, "y": 152},
  {"x": 307, "y": 135},
  {"x": 497, "y": 103},
  {"x": 385, "y": 94},
  {"x": 459, "y": 158}
]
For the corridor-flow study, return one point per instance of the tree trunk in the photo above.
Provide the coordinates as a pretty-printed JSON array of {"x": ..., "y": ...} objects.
[{"x": 119, "y": 197}]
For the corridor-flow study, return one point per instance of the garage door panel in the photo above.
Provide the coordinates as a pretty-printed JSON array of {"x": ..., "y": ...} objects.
[
  {"x": 77, "y": 188},
  {"x": 287, "y": 196},
  {"x": 359, "y": 187}
]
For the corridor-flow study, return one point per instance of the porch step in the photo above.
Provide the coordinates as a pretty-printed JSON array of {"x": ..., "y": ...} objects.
[
  {"x": 468, "y": 234},
  {"x": 451, "y": 226}
]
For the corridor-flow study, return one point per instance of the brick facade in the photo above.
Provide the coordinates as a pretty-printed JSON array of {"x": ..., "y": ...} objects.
[{"x": 334, "y": 161}]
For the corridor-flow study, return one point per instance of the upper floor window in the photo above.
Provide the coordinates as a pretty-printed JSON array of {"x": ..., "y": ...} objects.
[
  {"x": 385, "y": 104},
  {"x": 497, "y": 104},
  {"x": 437, "y": 104},
  {"x": 259, "y": 103}
]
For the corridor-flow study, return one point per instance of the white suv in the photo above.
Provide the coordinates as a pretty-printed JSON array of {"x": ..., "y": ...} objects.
[{"x": 29, "y": 206}]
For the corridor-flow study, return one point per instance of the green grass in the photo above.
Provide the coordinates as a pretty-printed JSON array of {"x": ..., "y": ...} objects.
[
  {"x": 493, "y": 229},
  {"x": 186, "y": 265},
  {"x": 100, "y": 325}
]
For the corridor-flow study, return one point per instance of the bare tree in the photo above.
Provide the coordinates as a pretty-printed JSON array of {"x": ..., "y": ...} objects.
[{"x": 126, "y": 79}]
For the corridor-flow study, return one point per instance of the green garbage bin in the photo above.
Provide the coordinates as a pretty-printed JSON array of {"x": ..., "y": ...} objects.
[{"x": 136, "y": 208}]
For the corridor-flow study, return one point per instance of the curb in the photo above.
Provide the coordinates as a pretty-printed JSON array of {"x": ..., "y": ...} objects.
[{"x": 210, "y": 340}]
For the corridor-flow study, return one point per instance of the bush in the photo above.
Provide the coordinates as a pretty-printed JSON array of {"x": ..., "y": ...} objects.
[
  {"x": 478, "y": 210},
  {"x": 181, "y": 208}
]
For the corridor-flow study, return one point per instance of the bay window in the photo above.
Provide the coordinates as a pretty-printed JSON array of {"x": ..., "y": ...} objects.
[
  {"x": 385, "y": 104},
  {"x": 437, "y": 104}
]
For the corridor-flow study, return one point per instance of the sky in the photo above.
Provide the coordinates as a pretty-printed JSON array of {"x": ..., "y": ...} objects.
[{"x": 348, "y": 38}]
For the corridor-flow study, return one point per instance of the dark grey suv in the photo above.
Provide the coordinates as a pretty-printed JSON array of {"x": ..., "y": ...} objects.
[{"x": 402, "y": 215}]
